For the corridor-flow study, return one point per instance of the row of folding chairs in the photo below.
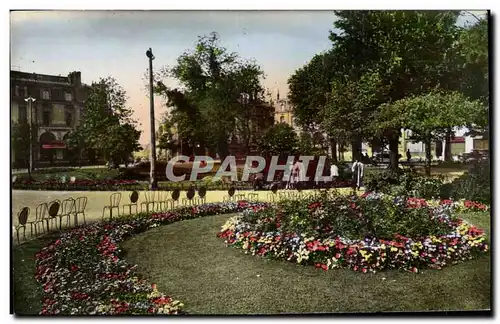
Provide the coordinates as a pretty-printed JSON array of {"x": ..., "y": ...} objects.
[
  {"x": 154, "y": 201},
  {"x": 50, "y": 215},
  {"x": 234, "y": 197}
]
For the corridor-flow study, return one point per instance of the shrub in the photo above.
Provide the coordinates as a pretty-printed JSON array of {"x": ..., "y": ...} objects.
[
  {"x": 475, "y": 184},
  {"x": 351, "y": 217},
  {"x": 382, "y": 181},
  {"x": 345, "y": 172}
]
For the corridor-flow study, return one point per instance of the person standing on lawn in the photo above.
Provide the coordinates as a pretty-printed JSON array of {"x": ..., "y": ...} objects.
[{"x": 357, "y": 175}]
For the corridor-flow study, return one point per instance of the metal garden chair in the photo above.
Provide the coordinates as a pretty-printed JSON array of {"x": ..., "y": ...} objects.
[
  {"x": 150, "y": 196},
  {"x": 174, "y": 201},
  {"x": 189, "y": 197},
  {"x": 161, "y": 200},
  {"x": 230, "y": 195},
  {"x": 67, "y": 209},
  {"x": 22, "y": 217},
  {"x": 114, "y": 202},
  {"x": 53, "y": 210},
  {"x": 202, "y": 192},
  {"x": 80, "y": 205},
  {"x": 41, "y": 213},
  {"x": 134, "y": 197}
]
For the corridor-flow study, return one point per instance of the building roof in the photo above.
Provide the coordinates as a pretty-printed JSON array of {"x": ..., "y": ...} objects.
[{"x": 40, "y": 78}]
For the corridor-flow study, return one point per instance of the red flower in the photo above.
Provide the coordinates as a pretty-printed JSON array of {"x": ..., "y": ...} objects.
[
  {"x": 324, "y": 267},
  {"x": 74, "y": 268},
  {"x": 337, "y": 256}
]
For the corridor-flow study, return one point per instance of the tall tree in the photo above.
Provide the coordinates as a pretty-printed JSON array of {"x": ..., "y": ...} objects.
[
  {"x": 107, "y": 125},
  {"x": 406, "y": 48},
  {"x": 212, "y": 81},
  {"x": 429, "y": 116},
  {"x": 309, "y": 88},
  {"x": 279, "y": 140}
]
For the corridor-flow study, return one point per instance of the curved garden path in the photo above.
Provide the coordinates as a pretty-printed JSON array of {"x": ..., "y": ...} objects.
[{"x": 188, "y": 261}]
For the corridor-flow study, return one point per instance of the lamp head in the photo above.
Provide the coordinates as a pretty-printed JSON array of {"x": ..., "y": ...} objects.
[{"x": 149, "y": 54}]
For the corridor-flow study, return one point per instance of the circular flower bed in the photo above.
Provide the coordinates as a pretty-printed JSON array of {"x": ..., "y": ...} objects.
[
  {"x": 82, "y": 272},
  {"x": 367, "y": 234}
]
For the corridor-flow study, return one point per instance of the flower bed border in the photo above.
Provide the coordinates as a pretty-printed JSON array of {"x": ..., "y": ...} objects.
[
  {"x": 82, "y": 274},
  {"x": 124, "y": 185},
  {"x": 462, "y": 243}
]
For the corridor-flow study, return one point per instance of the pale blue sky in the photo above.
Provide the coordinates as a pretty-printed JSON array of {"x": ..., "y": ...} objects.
[
  {"x": 107, "y": 43},
  {"x": 114, "y": 43}
]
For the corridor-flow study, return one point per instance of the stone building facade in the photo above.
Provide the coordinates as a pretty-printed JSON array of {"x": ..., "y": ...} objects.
[{"x": 58, "y": 106}]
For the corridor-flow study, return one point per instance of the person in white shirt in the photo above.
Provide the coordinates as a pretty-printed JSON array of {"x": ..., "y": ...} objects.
[
  {"x": 357, "y": 174},
  {"x": 289, "y": 183},
  {"x": 334, "y": 172}
]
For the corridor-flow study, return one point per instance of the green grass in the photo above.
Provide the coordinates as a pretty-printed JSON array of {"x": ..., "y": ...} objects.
[
  {"x": 187, "y": 261},
  {"x": 27, "y": 292}
]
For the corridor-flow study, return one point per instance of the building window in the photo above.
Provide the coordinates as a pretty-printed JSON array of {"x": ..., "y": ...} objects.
[
  {"x": 68, "y": 115},
  {"x": 68, "y": 96},
  {"x": 47, "y": 114},
  {"x": 16, "y": 91},
  {"x": 25, "y": 91},
  {"x": 23, "y": 114},
  {"x": 45, "y": 94}
]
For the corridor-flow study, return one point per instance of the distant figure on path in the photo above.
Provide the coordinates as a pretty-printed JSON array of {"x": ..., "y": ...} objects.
[
  {"x": 290, "y": 169},
  {"x": 408, "y": 155}
]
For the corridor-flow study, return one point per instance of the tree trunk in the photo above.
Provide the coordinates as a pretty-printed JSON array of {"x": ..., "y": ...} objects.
[
  {"x": 447, "y": 146},
  {"x": 222, "y": 148},
  {"x": 356, "y": 150},
  {"x": 333, "y": 144},
  {"x": 427, "y": 143},
  {"x": 394, "y": 151},
  {"x": 375, "y": 144}
]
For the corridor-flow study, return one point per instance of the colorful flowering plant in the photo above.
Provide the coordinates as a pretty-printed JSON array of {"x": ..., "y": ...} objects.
[
  {"x": 448, "y": 240},
  {"x": 82, "y": 273}
]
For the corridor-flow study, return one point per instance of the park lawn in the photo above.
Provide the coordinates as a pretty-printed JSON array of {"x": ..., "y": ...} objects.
[
  {"x": 28, "y": 293},
  {"x": 451, "y": 172},
  {"x": 188, "y": 261}
]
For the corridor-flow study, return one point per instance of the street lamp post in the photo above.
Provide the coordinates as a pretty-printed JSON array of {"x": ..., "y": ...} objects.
[
  {"x": 30, "y": 102},
  {"x": 153, "y": 184},
  {"x": 245, "y": 97}
]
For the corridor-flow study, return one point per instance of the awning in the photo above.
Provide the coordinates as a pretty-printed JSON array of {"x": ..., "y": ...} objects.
[{"x": 54, "y": 145}]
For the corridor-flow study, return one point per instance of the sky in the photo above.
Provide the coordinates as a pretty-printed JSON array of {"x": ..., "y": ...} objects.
[{"x": 113, "y": 43}]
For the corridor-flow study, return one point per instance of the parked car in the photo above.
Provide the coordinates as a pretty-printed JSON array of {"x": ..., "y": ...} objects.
[{"x": 474, "y": 156}]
